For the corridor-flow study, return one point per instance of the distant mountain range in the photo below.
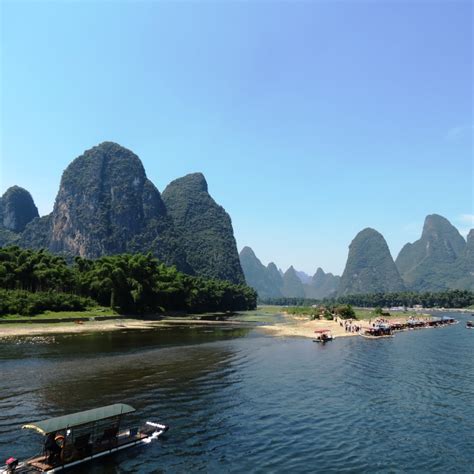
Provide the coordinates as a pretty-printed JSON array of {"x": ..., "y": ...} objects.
[
  {"x": 106, "y": 205},
  {"x": 270, "y": 282},
  {"x": 441, "y": 259}
]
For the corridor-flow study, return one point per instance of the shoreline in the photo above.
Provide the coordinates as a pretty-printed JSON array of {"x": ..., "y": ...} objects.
[
  {"x": 292, "y": 326},
  {"x": 43, "y": 329},
  {"x": 302, "y": 326}
]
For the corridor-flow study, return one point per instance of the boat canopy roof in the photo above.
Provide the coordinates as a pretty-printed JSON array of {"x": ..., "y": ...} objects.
[{"x": 81, "y": 418}]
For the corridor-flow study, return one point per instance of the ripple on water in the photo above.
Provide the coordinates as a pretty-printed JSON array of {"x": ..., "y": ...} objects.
[{"x": 258, "y": 404}]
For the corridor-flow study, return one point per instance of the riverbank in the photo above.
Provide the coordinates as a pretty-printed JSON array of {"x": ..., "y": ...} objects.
[
  {"x": 303, "y": 326},
  {"x": 42, "y": 329},
  {"x": 269, "y": 319}
]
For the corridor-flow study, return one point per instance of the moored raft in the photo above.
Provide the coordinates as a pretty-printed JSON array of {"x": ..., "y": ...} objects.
[
  {"x": 384, "y": 328},
  {"x": 323, "y": 335},
  {"x": 80, "y": 437}
]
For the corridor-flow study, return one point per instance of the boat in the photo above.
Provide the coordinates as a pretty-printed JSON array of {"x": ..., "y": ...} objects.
[
  {"x": 469, "y": 325},
  {"x": 81, "y": 437},
  {"x": 323, "y": 335},
  {"x": 376, "y": 332}
]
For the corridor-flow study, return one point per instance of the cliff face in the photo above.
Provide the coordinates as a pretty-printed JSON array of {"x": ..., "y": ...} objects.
[
  {"x": 460, "y": 274},
  {"x": 106, "y": 205},
  {"x": 205, "y": 227},
  {"x": 430, "y": 263},
  {"x": 370, "y": 267},
  {"x": 37, "y": 234},
  {"x": 17, "y": 209}
]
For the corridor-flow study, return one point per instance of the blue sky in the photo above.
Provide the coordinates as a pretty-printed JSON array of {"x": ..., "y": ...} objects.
[{"x": 310, "y": 120}]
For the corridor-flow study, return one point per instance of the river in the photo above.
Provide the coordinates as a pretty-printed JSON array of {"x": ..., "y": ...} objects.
[{"x": 240, "y": 401}]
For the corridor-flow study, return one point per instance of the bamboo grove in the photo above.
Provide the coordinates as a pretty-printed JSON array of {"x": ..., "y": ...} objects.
[{"x": 33, "y": 281}]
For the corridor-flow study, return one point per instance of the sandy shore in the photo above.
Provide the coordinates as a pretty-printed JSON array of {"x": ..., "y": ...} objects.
[
  {"x": 37, "y": 329},
  {"x": 293, "y": 326},
  {"x": 302, "y": 327}
]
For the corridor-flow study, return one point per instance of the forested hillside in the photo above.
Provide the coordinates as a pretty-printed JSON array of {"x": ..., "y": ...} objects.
[{"x": 32, "y": 281}]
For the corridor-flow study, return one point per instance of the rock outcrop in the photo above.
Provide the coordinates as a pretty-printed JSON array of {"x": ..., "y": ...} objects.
[
  {"x": 106, "y": 205},
  {"x": 431, "y": 263},
  {"x": 206, "y": 229},
  {"x": 17, "y": 209},
  {"x": 370, "y": 267}
]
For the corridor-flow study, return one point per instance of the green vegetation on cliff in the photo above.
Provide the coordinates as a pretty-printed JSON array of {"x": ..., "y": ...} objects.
[
  {"x": 130, "y": 284},
  {"x": 205, "y": 227},
  {"x": 438, "y": 260},
  {"x": 106, "y": 206},
  {"x": 370, "y": 267},
  {"x": 267, "y": 281}
]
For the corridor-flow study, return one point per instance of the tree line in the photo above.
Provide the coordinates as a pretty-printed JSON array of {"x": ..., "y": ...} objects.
[
  {"x": 32, "y": 281},
  {"x": 441, "y": 299}
]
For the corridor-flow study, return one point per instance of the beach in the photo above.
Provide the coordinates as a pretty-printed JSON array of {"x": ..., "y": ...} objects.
[
  {"x": 302, "y": 326},
  {"x": 287, "y": 325}
]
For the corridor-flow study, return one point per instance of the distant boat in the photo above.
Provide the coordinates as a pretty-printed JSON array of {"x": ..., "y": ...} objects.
[
  {"x": 74, "y": 439},
  {"x": 470, "y": 325},
  {"x": 376, "y": 332},
  {"x": 323, "y": 335}
]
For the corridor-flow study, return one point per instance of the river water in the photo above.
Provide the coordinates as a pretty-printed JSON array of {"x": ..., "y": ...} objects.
[{"x": 239, "y": 401}]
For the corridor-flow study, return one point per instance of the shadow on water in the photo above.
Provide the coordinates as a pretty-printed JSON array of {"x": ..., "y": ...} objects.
[
  {"x": 116, "y": 342},
  {"x": 46, "y": 377}
]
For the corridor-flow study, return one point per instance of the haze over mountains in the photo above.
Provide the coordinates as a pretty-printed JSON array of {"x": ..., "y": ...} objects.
[
  {"x": 106, "y": 205},
  {"x": 270, "y": 282},
  {"x": 441, "y": 259}
]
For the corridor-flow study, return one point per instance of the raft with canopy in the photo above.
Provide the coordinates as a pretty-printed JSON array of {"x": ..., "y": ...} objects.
[{"x": 80, "y": 437}]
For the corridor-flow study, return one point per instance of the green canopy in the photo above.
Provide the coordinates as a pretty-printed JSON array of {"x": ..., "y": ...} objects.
[{"x": 81, "y": 418}]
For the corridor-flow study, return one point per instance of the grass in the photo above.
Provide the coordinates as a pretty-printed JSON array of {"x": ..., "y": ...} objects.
[
  {"x": 365, "y": 313},
  {"x": 361, "y": 313},
  {"x": 263, "y": 314},
  {"x": 302, "y": 310},
  {"x": 91, "y": 313}
]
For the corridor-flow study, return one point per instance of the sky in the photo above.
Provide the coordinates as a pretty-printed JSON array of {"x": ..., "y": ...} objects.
[{"x": 311, "y": 120}]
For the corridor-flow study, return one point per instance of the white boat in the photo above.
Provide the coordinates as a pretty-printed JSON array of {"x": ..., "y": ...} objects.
[{"x": 323, "y": 335}]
